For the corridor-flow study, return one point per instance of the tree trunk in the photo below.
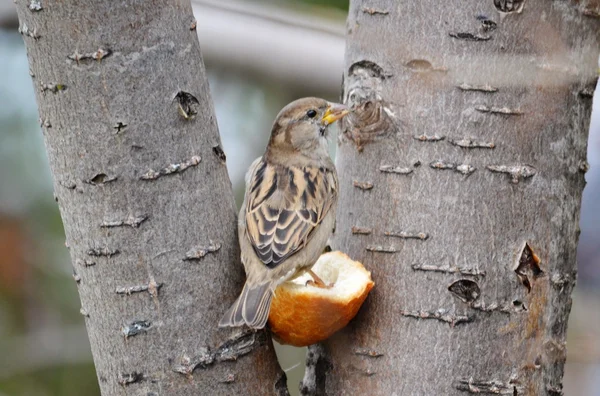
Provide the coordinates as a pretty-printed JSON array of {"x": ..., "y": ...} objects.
[
  {"x": 461, "y": 174},
  {"x": 142, "y": 187}
]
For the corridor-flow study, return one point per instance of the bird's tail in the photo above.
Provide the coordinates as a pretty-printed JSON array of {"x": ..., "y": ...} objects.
[{"x": 252, "y": 307}]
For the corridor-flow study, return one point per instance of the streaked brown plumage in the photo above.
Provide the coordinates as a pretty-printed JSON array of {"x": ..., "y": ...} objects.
[{"x": 289, "y": 207}]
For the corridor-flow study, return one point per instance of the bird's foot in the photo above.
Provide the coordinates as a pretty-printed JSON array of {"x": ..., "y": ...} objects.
[{"x": 317, "y": 282}]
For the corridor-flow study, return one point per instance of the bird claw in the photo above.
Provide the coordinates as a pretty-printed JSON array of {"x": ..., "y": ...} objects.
[
  {"x": 321, "y": 285},
  {"x": 317, "y": 282}
]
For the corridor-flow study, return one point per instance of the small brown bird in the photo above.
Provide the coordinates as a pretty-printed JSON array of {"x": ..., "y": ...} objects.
[{"x": 289, "y": 207}]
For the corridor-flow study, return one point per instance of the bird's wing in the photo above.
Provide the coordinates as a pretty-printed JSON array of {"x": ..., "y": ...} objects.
[{"x": 284, "y": 207}]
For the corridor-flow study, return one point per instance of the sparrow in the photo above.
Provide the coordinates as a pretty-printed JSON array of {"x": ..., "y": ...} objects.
[{"x": 289, "y": 207}]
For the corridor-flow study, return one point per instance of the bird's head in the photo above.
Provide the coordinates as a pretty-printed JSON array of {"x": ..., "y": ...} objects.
[{"x": 302, "y": 125}]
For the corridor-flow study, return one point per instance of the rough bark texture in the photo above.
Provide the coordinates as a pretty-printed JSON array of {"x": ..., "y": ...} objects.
[
  {"x": 142, "y": 186},
  {"x": 465, "y": 161}
]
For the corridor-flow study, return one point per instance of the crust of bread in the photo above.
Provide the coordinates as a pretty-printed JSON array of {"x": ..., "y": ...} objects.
[{"x": 302, "y": 314}]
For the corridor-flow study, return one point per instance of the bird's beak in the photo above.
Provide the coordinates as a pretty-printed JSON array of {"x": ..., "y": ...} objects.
[{"x": 334, "y": 112}]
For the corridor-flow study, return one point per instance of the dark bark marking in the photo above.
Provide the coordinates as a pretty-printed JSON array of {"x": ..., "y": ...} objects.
[
  {"x": 26, "y": 31},
  {"x": 519, "y": 305},
  {"x": 187, "y": 105},
  {"x": 440, "y": 164},
  {"x": 479, "y": 88},
  {"x": 395, "y": 169},
  {"x": 98, "y": 55},
  {"x": 69, "y": 185},
  {"x": 100, "y": 179},
  {"x": 85, "y": 263},
  {"x": 367, "y": 352},
  {"x": 171, "y": 169},
  {"x": 465, "y": 290},
  {"x": 419, "y": 65},
  {"x": 503, "y": 307},
  {"x": 371, "y": 68},
  {"x": 470, "y": 143},
  {"x": 371, "y": 119},
  {"x": 362, "y": 185},
  {"x": 425, "y": 138},
  {"x": 584, "y": 166},
  {"x": 119, "y": 126},
  {"x": 494, "y": 386},
  {"x": 135, "y": 328},
  {"x": 381, "y": 249},
  {"x": 407, "y": 235},
  {"x": 218, "y": 151},
  {"x": 187, "y": 365},
  {"x": 361, "y": 230},
  {"x": 469, "y": 36},
  {"x": 586, "y": 93},
  {"x": 133, "y": 222},
  {"x": 464, "y": 169},
  {"x": 366, "y": 372},
  {"x": 52, "y": 87},
  {"x": 152, "y": 288},
  {"x": 102, "y": 252},
  {"x": 198, "y": 253},
  {"x": 441, "y": 314},
  {"x": 373, "y": 11},
  {"x": 528, "y": 267},
  {"x": 423, "y": 65},
  {"x": 516, "y": 172},
  {"x": 448, "y": 269},
  {"x": 35, "y": 6},
  {"x": 76, "y": 277},
  {"x": 238, "y": 345},
  {"x": 509, "y": 6},
  {"x": 487, "y": 25},
  {"x": 498, "y": 110},
  {"x": 125, "y": 379}
]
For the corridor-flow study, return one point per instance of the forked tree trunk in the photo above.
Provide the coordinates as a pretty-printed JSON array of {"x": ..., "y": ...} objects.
[
  {"x": 142, "y": 186},
  {"x": 460, "y": 184}
]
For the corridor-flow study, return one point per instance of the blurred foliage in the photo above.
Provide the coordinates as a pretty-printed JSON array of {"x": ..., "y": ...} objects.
[
  {"x": 76, "y": 379},
  {"x": 340, "y": 4}
]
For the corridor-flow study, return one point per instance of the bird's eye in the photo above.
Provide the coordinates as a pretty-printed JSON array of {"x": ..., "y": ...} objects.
[{"x": 311, "y": 113}]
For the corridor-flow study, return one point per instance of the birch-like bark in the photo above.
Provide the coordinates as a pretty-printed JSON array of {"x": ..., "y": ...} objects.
[
  {"x": 143, "y": 191},
  {"x": 463, "y": 168}
]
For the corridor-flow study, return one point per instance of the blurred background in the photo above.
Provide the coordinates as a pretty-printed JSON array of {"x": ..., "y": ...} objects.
[{"x": 296, "y": 49}]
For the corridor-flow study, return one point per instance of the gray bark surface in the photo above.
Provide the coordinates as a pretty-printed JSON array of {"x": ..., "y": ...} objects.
[
  {"x": 145, "y": 198},
  {"x": 461, "y": 175}
]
